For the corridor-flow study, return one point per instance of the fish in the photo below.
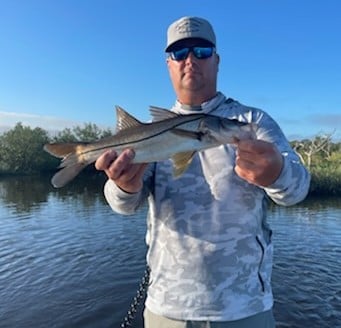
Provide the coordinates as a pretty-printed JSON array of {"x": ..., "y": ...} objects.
[{"x": 168, "y": 136}]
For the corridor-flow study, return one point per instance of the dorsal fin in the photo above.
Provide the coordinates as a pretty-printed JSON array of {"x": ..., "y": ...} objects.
[
  {"x": 160, "y": 114},
  {"x": 125, "y": 120}
]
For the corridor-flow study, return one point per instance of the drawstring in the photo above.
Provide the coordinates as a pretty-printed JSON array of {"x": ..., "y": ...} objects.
[{"x": 140, "y": 294}]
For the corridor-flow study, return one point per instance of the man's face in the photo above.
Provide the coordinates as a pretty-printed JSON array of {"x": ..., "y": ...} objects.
[{"x": 191, "y": 74}]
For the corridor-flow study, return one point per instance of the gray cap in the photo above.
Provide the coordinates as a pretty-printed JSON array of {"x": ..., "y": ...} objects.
[{"x": 190, "y": 27}]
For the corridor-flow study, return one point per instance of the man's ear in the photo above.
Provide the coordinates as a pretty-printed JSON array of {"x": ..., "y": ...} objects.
[{"x": 218, "y": 61}]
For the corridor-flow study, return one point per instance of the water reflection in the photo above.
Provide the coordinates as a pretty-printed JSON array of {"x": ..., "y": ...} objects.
[
  {"x": 25, "y": 194},
  {"x": 307, "y": 264},
  {"x": 66, "y": 260}
]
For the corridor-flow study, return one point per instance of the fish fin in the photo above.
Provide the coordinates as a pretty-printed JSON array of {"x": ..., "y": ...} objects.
[
  {"x": 62, "y": 150},
  {"x": 65, "y": 175},
  {"x": 160, "y": 114},
  {"x": 248, "y": 132},
  {"x": 181, "y": 161},
  {"x": 254, "y": 128},
  {"x": 71, "y": 164},
  {"x": 125, "y": 120},
  {"x": 187, "y": 134}
]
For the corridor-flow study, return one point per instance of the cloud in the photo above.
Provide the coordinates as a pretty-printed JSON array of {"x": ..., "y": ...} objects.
[
  {"x": 332, "y": 120},
  {"x": 10, "y": 119},
  {"x": 326, "y": 120},
  {"x": 328, "y": 123}
]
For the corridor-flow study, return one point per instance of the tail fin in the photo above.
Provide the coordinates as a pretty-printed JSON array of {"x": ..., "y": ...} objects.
[
  {"x": 65, "y": 175},
  {"x": 71, "y": 163},
  {"x": 61, "y": 150}
]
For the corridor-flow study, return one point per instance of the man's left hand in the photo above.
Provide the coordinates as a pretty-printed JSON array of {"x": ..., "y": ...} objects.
[{"x": 258, "y": 162}]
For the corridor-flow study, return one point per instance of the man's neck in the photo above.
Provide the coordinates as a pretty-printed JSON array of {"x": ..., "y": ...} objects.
[{"x": 195, "y": 100}]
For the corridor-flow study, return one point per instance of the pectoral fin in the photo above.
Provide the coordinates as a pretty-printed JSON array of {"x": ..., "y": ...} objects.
[
  {"x": 181, "y": 161},
  {"x": 187, "y": 134}
]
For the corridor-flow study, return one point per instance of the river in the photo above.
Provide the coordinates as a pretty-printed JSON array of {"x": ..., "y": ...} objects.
[{"x": 66, "y": 260}]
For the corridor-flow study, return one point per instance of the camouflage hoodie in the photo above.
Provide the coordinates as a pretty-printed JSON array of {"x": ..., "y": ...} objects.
[{"x": 210, "y": 249}]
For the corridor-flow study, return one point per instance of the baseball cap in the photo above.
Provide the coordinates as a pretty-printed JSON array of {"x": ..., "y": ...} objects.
[{"x": 189, "y": 27}]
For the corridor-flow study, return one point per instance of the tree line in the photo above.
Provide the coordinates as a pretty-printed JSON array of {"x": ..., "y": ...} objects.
[
  {"x": 322, "y": 157},
  {"x": 21, "y": 148},
  {"x": 21, "y": 152}
]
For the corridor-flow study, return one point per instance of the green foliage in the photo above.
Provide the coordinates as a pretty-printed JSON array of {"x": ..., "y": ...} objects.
[
  {"x": 88, "y": 133},
  {"x": 65, "y": 136},
  {"x": 21, "y": 150},
  {"x": 325, "y": 181},
  {"x": 323, "y": 158}
]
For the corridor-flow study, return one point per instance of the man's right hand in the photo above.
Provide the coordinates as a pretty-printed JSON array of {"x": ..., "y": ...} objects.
[{"x": 127, "y": 176}]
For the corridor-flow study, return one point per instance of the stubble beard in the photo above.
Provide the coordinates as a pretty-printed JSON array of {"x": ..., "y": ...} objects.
[{"x": 192, "y": 82}]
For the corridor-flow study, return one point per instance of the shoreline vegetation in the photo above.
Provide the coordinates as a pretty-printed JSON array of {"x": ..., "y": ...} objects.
[{"x": 21, "y": 153}]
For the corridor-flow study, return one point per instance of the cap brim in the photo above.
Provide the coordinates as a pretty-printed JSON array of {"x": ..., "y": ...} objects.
[{"x": 182, "y": 43}]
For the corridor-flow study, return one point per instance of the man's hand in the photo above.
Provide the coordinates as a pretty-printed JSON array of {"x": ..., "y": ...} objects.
[
  {"x": 258, "y": 162},
  {"x": 127, "y": 176}
]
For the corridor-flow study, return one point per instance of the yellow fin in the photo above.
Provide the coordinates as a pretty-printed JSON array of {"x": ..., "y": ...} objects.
[
  {"x": 61, "y": 150},
  {"x": 181, "y": 161}
]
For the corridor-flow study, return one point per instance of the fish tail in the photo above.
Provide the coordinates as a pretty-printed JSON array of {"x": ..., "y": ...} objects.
[
  {"x": 72, "y": 161},
  {"x": 62, "y": 150},
  {"x": 65, "y": 175}
]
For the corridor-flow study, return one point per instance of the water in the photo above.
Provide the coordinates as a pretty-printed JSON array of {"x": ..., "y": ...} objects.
[
  {"x": 66, "y": 260},
  {"x": 307, "y": 269}
]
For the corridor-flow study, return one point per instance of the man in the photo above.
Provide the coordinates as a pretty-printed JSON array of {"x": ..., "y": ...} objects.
[{"x": 210, "y": 249}]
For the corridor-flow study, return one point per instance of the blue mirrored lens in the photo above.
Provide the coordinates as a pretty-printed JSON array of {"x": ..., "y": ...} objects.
[
  {"x": 180, "y": 54},
  {"x": 199, "y": 52},
  {"x": 202, "y": 53}
]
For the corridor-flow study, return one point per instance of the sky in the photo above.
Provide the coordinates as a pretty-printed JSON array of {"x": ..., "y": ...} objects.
[{"x": 69, "y": 62}]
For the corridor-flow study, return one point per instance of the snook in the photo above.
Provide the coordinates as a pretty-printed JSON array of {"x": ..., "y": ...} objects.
[{"x": 170, "y": 135}]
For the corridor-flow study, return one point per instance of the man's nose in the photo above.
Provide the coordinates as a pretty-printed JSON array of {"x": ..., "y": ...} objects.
[{"x": 190, "y": 57}]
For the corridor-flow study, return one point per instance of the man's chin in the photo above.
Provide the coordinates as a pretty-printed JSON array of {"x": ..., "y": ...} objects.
[{"x": 192, "y": 82}]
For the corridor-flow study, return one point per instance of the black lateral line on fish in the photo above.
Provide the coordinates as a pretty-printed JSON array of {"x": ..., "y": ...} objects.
[{"x": 198, "y": 136}]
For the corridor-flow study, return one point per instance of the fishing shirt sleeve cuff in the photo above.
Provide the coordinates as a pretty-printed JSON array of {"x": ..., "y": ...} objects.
[
  {"x": 120, "y": 201},
  {"x": 292, "y": 185}
]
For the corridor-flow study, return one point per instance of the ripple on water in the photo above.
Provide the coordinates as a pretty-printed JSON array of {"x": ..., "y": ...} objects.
[
  {"x": 307, "y": 267},
  {"x": 70, "y": 261}
]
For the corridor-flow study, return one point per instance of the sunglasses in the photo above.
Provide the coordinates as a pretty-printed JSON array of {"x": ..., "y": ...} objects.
[{"x": 198, "y": 52}]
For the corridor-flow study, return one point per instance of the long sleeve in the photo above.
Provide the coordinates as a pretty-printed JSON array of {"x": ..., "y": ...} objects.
[
  {"x": 216, "y": 217},
  {"x": 292, "y": 185},
  {"x": 127, "y": 203}
]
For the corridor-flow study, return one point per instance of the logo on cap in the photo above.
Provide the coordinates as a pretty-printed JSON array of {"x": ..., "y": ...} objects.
[{"x": 190, "y": 27}]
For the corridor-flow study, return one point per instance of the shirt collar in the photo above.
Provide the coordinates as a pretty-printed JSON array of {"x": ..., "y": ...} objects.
[{"x": 206, "y": 107}]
